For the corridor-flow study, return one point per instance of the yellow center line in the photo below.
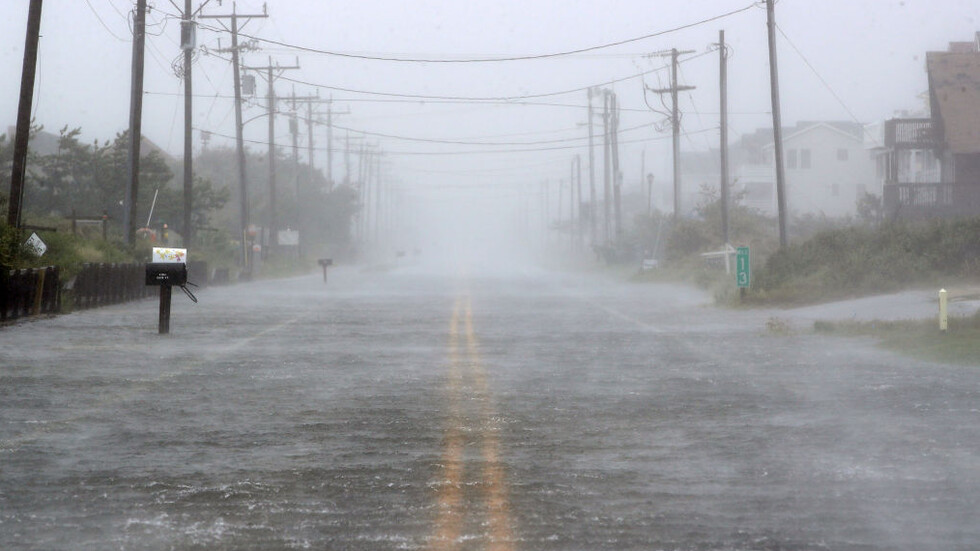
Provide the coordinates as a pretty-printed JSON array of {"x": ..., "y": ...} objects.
[
  {"x": 450, "y": 486},
  {"x": 495, "y": 483}
]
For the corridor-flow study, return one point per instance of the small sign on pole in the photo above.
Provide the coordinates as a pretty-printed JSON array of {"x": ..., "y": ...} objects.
[
  {"x": 36, "y": 245},
  {"x": 743, "y": 269}
]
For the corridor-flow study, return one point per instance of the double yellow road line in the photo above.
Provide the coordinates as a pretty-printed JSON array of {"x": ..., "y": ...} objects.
[{"x": 472, "y": 422}]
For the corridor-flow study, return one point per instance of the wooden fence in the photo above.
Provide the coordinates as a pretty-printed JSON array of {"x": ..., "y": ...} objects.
[
  {"x": 103, "y": 284},
  {"x": 29, "y": 292},
  {"x": 39, "y": 291}
]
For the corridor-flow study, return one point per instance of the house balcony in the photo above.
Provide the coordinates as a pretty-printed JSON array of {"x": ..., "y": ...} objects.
[
  {"x": 931, "y": 200},
  {"x": 910, "y": 134}
]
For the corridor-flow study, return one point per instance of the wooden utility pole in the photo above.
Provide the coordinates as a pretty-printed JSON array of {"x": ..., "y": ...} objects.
[
  {"x": 135, "y": 124},
  {"x": 23, "y": 133},
  {"x": 578, "y": 189},
  {"x": 675, "y": 123},
  {"x": 777, "y": 128},
  {"x": 187, "y": 45},
  {"x": 617, "y": 173},
  {"x": 606, "y": 170},
  {"x": 246, "y": 260},
  {"x": 723, "y": 59},
  {"x": 330, "y": 115},
  {"x": 592, "y": 198}
]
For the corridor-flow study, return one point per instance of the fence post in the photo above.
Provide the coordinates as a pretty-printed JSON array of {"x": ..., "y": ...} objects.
[
  {"x": 4, "y": 291},
  {"x": 38, "y": 290}
]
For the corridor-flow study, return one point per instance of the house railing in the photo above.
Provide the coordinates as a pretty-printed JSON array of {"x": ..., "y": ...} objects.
[
  {"x": 910, "y": 134},
  {"x": 931, "y": 200}
]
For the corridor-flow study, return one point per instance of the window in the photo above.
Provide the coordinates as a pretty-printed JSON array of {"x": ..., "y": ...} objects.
[
  {"x": 804, "y": 158},
  {"x": 841, "y": 154},
  {"x": 791, "y": 158}
]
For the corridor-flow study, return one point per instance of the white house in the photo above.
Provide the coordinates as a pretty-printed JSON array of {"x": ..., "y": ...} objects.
[{"x": 827, "y": 168}]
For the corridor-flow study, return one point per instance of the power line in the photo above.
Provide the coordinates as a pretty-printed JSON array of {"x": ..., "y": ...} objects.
[
  {"x": 493, "y": 59},
  {"x": 826, "y": 84},
  {"x": 472, "y": 98},
  {"x": 477, "y": 151}
]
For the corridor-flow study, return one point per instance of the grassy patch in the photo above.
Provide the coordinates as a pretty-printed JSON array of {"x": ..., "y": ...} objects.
[
  {"x": 855, "y": 261},
  {"x": 918, "y": 338}
]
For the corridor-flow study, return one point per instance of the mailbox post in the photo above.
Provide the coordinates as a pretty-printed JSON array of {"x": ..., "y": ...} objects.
[
  {"x": 169, "y": 268},
  {"x": 325, "y": 262}
]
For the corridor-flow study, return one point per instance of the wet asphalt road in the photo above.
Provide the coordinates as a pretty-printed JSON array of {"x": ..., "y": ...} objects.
[{"x": 528, "y": 411}]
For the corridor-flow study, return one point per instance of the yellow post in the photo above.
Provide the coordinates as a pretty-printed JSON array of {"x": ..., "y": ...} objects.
[{"x": 942, "y": 310}]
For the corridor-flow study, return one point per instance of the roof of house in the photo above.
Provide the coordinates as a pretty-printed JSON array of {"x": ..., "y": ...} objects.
[
  {"x": 954, "y": 85},
  {"x": 849, "y": 130}
]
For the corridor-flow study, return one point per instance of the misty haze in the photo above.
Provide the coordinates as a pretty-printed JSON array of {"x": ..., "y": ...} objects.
[{"x": 501, "y": 276}]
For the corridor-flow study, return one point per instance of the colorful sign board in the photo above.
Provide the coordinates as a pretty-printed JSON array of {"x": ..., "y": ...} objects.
[{"x": 165, "y": 254}]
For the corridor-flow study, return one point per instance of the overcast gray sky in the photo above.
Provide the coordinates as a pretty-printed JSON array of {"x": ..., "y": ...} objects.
[{"x": 870, "y": 53}]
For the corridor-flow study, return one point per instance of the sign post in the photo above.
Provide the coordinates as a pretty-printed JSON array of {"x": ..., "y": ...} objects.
[{"x": 743, "y": 270}]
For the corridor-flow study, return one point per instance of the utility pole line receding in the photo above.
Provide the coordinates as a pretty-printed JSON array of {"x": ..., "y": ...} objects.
[
  {"x": 135, "y": 124},
  {"x": 675, "y": 122},
  {"x": 246, "y": 262},
  {"x": 23, "y": 133},
  {"x": 777, "y": 128},
  {"x": 272, "y": 72}
]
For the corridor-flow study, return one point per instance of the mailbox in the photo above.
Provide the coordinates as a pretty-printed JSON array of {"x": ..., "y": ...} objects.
[
  {"x": 169, "y": 267},
  {"x": 325, "y": 262},
  {"x": 173, "y": 274}
]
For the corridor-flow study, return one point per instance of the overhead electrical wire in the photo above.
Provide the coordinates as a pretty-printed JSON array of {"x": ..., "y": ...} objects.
[
  {"x": 468, "y": 98},
  {"x": 827, "y": 85},
  {"x": 472, "y": 152},
  {"x": 490, "y": 59}
]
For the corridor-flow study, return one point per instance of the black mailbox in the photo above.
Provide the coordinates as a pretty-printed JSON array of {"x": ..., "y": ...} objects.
[
  {"x": 325, "y": 262},
  {"x": 166, "y": 273}
]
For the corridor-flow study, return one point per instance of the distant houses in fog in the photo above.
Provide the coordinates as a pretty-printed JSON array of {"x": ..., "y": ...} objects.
[
  {"x": 919, "y": 166},
  {"x": 827, "y": 169}
]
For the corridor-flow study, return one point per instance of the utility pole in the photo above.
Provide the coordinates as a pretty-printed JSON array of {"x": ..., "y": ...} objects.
[
  {"x": 578, "y": 180},
  {"x": 777, "y": 128},
  {"x": 617, "y": 174},
  {"x": 135, "y": 124},
  {"x": 347, "y": 159},
  {"x": 723, "y": 59},
  {"x": 23, "y": 133},
  {"x": 643, "y": 171},
  {"x": 572, "y": 225},
  {"x": 330, "y": 114},
  {"x": 187, "y": 45},
  {"x": 606, "y": 184},
  {"x": 675, "y": 120},
  {"x": 272, "y": 72},
  {"x": 592, "y": 198},
  {"x": 239, "y": 128}
]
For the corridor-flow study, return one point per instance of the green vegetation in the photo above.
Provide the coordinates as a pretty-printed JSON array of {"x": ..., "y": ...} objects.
[
  {"x": 855, "y": 261},
  {"x": 67, "y": 178},
  {"x": 920, "y": 339}
]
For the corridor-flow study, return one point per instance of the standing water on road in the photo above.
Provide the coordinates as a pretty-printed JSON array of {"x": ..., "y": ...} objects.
[{"x": 410, "y": 410}]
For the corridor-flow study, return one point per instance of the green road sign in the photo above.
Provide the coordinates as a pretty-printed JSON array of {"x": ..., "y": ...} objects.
[{"x": 743, "y": 270}]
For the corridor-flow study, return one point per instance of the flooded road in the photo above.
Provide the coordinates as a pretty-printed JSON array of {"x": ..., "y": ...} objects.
[{"x": 528, "y": 411}]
